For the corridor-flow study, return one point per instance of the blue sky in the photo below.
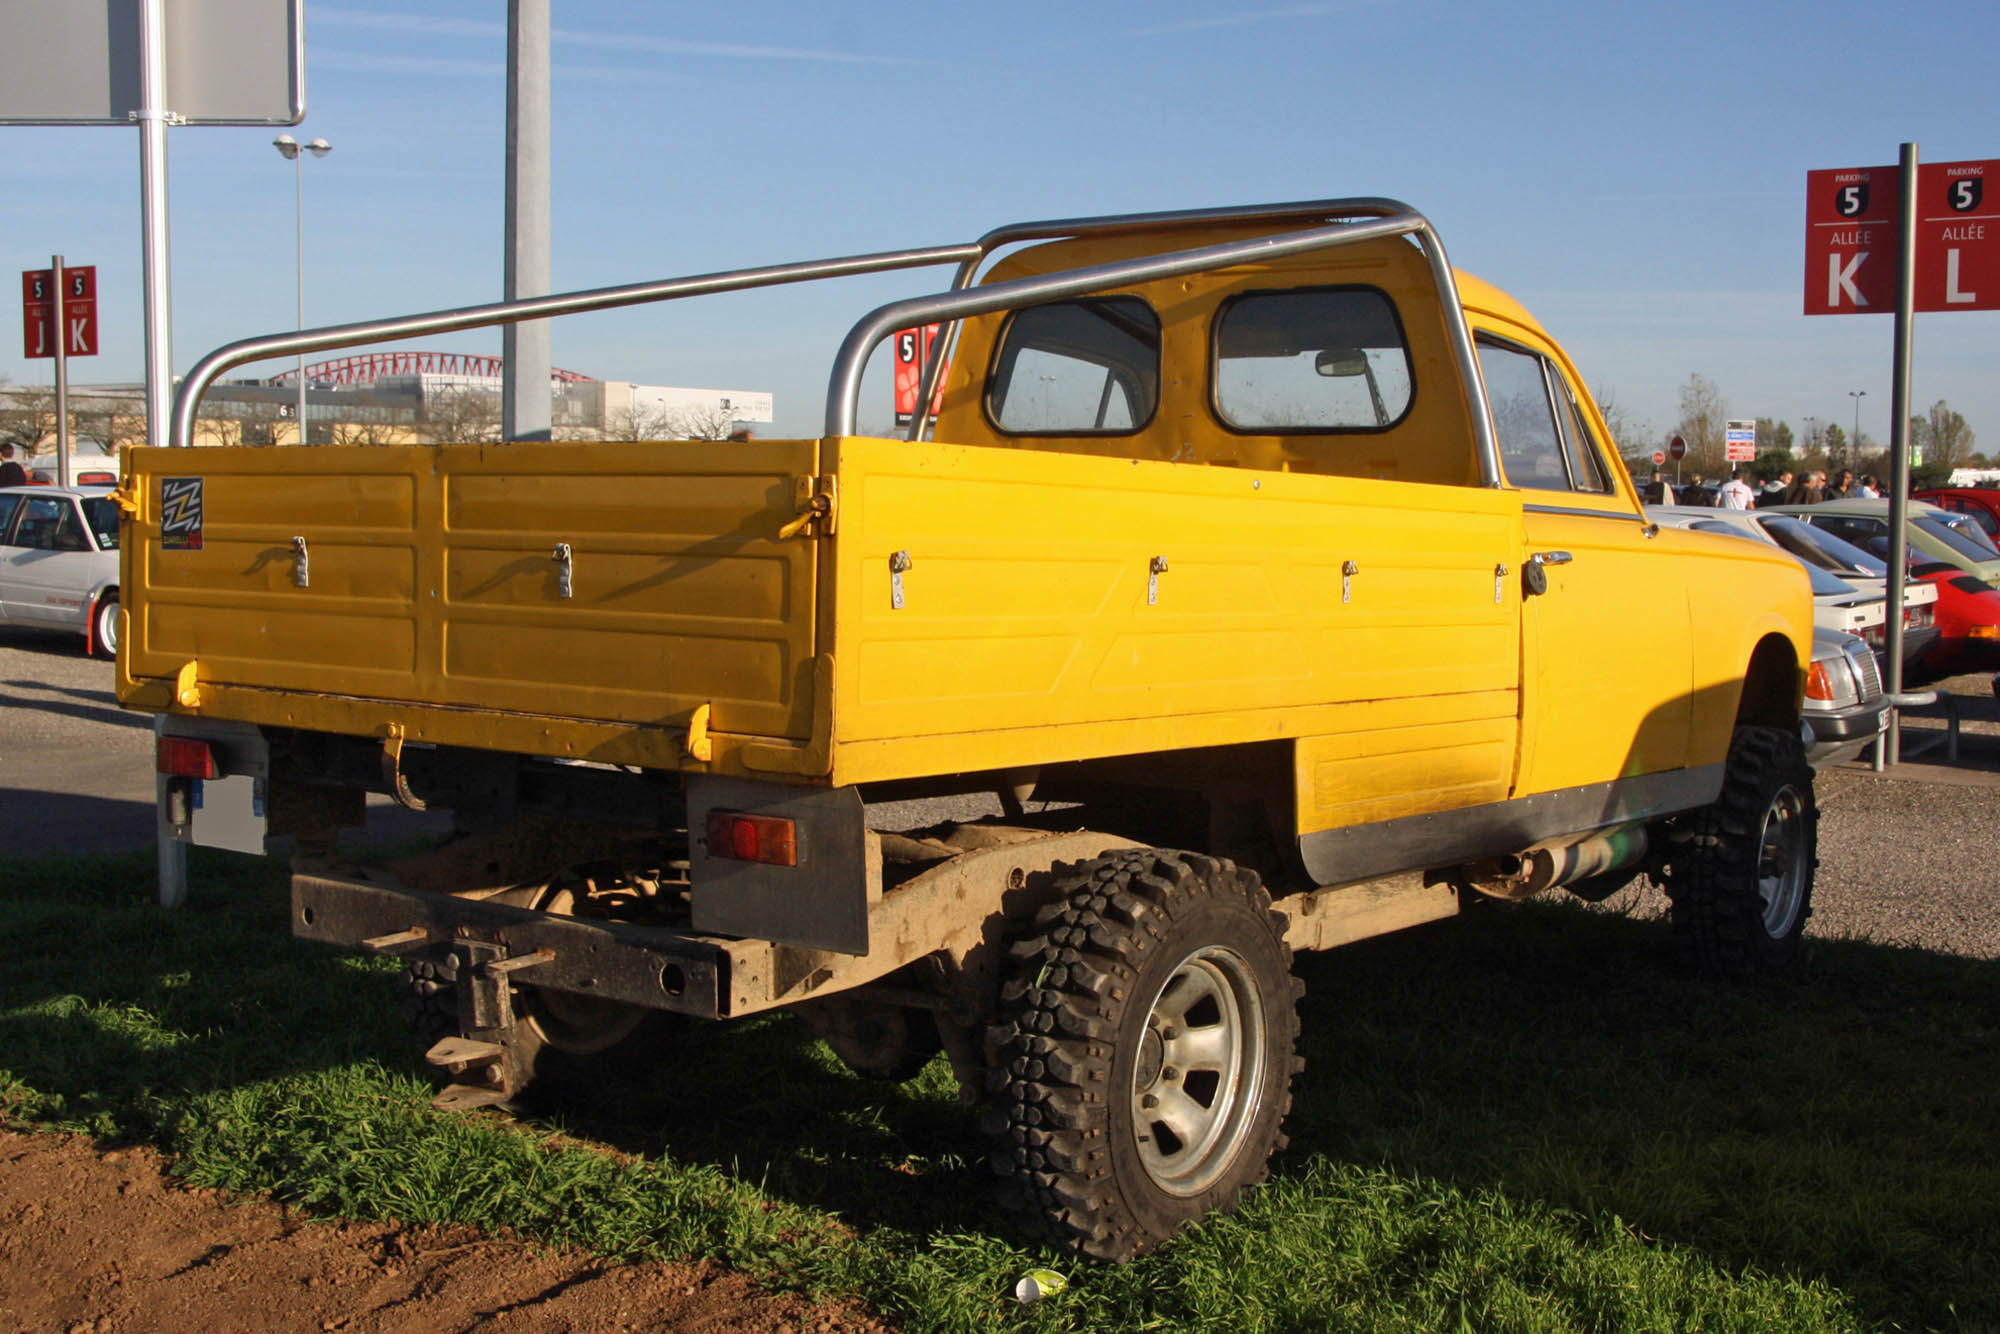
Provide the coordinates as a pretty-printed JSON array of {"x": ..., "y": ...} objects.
[{"x": 1633, "y": 173}]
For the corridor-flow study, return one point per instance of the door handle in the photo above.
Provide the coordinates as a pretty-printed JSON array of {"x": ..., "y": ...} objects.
[{"x": 1535, "y": 573}]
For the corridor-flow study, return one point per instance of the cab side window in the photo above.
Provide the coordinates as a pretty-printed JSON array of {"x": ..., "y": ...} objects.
[
  {"x": 1544, "y": 442},
  {"x": 1089, "y": 367}
]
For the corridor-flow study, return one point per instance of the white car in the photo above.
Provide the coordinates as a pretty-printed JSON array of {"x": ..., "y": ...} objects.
[{"x": 59, "y": 562}]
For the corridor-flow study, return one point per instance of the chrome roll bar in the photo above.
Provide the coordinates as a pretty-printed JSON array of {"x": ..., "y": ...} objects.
[
  {"x": 332, "y": 337},
  {"x": 1383, "y": 217}
]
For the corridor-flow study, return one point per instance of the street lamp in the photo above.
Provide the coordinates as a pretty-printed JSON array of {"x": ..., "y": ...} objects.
[
  {"x": 292, "y": 150},
  {"x": 1854, "y": 441}
]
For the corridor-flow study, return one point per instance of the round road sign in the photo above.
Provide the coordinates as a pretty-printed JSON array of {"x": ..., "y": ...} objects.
[
  {"x": 1659, "y": 457},
  {"x": 1677, "y": 447}
]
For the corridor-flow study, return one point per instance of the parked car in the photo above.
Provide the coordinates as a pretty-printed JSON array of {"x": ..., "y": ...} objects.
[
  {"x": 1950, "y": 552},
  {"x": 59, "y": 562},
  {"x": 1849, "y": 586},
  {"x": 1981, "y": 504},
  {"x": 1935, "y": 535},
  {"x": 1845, "y": 709}
]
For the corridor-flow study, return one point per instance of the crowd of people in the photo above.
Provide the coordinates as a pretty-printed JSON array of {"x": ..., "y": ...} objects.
[{"x": 1807, "y": 487}]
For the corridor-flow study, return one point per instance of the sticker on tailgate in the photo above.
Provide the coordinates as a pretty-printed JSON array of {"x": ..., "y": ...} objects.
[{"x": 180, "y": 513}]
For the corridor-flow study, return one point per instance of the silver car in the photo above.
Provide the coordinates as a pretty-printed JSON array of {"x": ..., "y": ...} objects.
[{"x": 59, "y": 562}]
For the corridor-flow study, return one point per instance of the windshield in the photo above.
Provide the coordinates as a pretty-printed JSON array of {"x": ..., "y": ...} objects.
[
  {"x": 1965, "y": 527},
  {"x": 1824, "y": 584},
  {"x": 1821, "y": 548},
  {"x": 1941, "y": 528}
]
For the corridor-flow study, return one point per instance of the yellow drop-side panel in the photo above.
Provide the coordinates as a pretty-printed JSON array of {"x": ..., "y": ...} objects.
[
  {"x": 433, "y": 581},
  {"x": 1026, "y": 634}
]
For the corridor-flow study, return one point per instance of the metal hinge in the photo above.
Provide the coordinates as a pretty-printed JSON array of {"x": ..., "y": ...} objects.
[{"x": 816, "y": 500}]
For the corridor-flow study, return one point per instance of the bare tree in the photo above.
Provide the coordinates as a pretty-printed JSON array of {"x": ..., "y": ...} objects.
[
  {"x": 1941, "y": 436},
  {"x": 1627, "y": 433},
  {"x": 708, "y": 423},
  {"x": 1703, "y": 424},
  {"x": 635, "y": 422},
  {"x": 367, "y": 433},
  {"x": 461, "y": 416}
]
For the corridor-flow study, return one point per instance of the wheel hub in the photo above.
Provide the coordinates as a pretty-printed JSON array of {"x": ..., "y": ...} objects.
[{"x": 1198, "y": 1073}]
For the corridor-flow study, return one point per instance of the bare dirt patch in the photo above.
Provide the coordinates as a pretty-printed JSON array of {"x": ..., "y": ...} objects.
[{"x": 102, "y": 1240}]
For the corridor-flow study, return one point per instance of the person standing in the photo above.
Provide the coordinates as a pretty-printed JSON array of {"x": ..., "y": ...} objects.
[
  {"x": 11, "y": 472},
  {"x": 1870, "y": 488},
  {"x": 1774, "y": 489},
  {"x": 1843, "y": 485},
  {"x": 1735, "y": 494}
]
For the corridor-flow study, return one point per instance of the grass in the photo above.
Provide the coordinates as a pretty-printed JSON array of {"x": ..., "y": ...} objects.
[{"x": 1525, "y": 1119}]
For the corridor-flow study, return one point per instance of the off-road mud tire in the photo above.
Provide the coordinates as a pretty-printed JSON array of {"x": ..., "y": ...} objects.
[
  {"x": 1740, "y": 871},
  {"x": 1069, "y": 1059}
]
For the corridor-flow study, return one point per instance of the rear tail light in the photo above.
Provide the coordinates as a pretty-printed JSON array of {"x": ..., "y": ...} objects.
[
  {"x": 1819, "y": 685},
  {"x": 1982, "y": 632},
  {"x": 1876, "y": 635},
  {"x": 184, "y": 757},
  {"x": 753, "y": 838},
  {"x": 1919, "y": 618}
]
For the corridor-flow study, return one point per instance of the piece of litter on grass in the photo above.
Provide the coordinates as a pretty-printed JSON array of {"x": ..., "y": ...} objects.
[{"x": 1037, "y": 1284}]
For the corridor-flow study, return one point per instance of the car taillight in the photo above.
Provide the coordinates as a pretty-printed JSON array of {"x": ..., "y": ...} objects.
[
  {"x": 1919, "y": 618},
  {"x": 1876, "y": 635},
  {"x": 753, "y": 838},
  {"x": 1982, "y": 632},
  {"x": 184, "y": 757}
]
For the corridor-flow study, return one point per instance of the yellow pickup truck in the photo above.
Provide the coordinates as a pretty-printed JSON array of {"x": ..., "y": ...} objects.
[{"x": 1277, "y": 585}]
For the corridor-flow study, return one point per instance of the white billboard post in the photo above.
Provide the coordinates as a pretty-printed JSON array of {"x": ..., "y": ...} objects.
[{"x": 139, "y": 62}]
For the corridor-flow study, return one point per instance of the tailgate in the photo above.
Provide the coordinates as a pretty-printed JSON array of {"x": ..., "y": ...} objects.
[{"x": 431, "y": 578}]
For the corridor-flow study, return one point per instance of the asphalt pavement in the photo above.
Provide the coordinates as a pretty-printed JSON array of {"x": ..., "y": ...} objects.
[{"x": 1906, "y": 856}]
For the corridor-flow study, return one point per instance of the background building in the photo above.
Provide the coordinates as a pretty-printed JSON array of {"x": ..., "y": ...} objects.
[{"x": 385, "y": 398}]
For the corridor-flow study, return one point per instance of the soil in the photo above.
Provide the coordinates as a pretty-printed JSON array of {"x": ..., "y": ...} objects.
[{"x": 97, "y": 1241}]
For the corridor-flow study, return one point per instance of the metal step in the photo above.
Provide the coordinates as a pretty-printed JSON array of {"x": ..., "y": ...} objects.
[
  {"x": 460, "y": 1054},
  {"x": 465, "y": 1097}
]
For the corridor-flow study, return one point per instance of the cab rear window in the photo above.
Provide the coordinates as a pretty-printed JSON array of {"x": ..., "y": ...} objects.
[
  {"x": 1311, "y": 359},
  {"x": 1088, "y": 367}
]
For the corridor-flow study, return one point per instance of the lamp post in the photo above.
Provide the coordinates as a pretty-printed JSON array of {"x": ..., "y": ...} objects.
[
  {"x": 293, "y": 151},
  {"x": 1854, "y": 441}
]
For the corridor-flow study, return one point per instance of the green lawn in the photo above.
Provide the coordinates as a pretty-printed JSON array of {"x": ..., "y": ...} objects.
[{"x": 1526, "y": 1119}]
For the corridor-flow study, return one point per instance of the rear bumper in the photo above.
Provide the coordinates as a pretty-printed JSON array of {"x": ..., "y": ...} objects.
[{"x": 656, "y": 969}]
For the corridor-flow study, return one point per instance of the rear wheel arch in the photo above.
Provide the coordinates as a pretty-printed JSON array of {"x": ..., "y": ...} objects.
[
  {"x": 105, "y": 604},
  {"x": 1771, "y": 685}
]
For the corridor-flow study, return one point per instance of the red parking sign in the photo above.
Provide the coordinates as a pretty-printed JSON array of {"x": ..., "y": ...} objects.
[
  {"x": 1958, "y": 236},
  {"x": 1851, "y": 240},
  {"x": 38, "y": 311}
]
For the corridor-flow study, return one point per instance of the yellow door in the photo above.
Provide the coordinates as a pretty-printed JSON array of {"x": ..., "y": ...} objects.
[{"x": 1607, "y": 669}]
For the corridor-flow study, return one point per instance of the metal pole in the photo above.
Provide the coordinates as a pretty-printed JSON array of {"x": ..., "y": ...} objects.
[
  {"x": 524, "y": 347},
  {"x": 299, "y": 268},
  {"x": 62, "y": 372},
  {"x": 152, "y": 118},
  {"x": 1853, "y": 450},
  {"x": 1899, "y": 438}
]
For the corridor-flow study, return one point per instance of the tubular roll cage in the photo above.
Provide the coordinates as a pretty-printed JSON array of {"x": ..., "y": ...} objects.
[{"x": 1338, "y": 222}]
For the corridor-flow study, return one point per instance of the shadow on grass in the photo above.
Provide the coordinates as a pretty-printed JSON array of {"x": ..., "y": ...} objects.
[{"x": 1835, "y": 1125}]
